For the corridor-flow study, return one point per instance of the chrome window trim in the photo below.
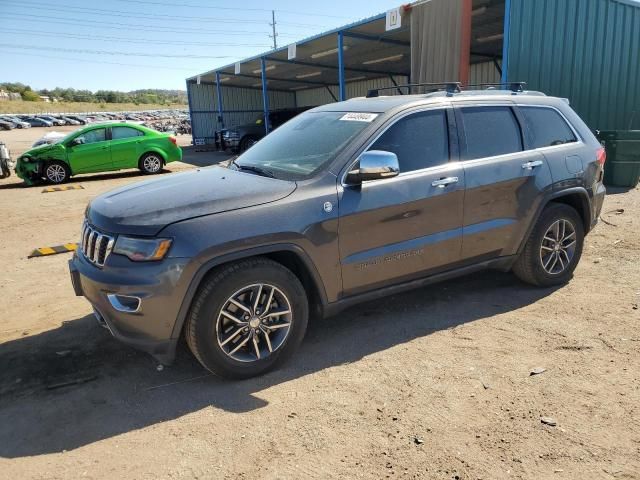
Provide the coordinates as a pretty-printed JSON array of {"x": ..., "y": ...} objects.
[
  {"x": 421, "y": 109},
  {"x": 578, "y": 142}
]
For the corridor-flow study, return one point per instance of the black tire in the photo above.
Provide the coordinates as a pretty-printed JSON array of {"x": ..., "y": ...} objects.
[
  {"x": 530, "y": 265},
  {"x": 247, "y": 142},
  {"x": 151, "y": 163},
  {"x": 203, "y": 337},
  {"x": 57, "y": 172}
]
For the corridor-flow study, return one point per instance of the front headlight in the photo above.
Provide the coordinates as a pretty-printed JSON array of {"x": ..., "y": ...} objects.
[{"x": 142, "y": 249}]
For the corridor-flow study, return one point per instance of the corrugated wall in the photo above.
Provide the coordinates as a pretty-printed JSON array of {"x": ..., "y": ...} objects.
[
  {"x": 584, "y": 50},
  {"x": 241, "y": 105},
  {"x": 320, "y": 96},
  {"x": 436, "y": 41},
  {"x": 485, "y": 72}
]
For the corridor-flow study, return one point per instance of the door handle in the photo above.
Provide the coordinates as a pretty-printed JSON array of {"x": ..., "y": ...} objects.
[
  {"x": 531, "y": 165},
  {"x": 443, "y": 182}
]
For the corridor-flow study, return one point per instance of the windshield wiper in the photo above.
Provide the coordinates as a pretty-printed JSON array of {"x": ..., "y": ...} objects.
[{"x": 252, "y": 168}]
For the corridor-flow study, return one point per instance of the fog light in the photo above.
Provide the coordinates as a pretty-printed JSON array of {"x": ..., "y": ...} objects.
[{"x": 125, "y": 303}]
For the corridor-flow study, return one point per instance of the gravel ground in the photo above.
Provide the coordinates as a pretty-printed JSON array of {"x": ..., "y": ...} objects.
[{"x": 433, "y": 383}]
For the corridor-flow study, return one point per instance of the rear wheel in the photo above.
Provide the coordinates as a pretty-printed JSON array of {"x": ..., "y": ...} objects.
[
  {"x": 151, "y": 163},
  {"x": 554, "y": 248},
  {"x": 247, "y": 318},
  {"x": 57, "y": 172}
]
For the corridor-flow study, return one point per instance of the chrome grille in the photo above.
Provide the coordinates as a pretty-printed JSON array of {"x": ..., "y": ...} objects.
[{"x": 95, "y": 246}]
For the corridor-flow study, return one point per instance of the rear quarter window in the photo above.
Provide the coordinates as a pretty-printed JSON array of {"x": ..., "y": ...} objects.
[{"x": 546, "y": 127}]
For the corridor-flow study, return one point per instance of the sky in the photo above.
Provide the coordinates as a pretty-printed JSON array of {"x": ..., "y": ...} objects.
[{"x": 132, "y": 44}]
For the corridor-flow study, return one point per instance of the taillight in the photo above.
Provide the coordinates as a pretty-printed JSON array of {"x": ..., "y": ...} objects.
[
  {"x": 601, "y": 156},
  {"x": 175, "y": 141}
]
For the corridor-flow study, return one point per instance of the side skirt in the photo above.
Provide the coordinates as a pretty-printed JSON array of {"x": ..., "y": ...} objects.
[{"x": 502, "y": 263}]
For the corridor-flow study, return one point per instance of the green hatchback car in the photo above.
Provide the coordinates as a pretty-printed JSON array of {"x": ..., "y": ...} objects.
[{"x": 99, "y": 148}]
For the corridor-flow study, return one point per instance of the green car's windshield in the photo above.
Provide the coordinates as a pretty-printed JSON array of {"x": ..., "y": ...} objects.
[
  {"x": 305, "y": 144},
  {"x": 68, "y": 137}
]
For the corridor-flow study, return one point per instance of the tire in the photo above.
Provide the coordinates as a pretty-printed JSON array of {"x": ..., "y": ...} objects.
[
  {"x": 545, "y": 262},
  {"x": 247, "y": 142},
  {"x": 215, "y": 339},
  {"x": 57, "y": 172},
  {"x": 151, "y": 163}
]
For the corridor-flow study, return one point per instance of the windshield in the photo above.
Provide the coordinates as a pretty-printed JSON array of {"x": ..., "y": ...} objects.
[{"x": 302, "y": 146}]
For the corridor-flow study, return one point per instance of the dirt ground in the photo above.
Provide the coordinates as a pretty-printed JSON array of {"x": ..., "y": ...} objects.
[{"x": 433, "y": 383}]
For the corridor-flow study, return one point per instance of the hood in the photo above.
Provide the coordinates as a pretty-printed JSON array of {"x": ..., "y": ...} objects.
[
  {"x": 43, "y": 148},
  {"x": 145, "y": 208}
]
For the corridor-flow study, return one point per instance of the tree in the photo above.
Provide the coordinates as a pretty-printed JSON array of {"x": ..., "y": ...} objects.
[{"x": 30, "y": 96}]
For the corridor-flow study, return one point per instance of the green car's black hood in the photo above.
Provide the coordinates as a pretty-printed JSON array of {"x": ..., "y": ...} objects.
[{"x": 147, "y": 207}]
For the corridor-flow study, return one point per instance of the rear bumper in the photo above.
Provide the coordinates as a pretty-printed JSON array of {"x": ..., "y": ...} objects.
[
  {"x": 148, "y": 328},
  {"x": 597, "y": 202}
]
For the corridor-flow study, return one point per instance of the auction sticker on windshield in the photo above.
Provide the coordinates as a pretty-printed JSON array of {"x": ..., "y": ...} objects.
[{"x": 359, "y": 117}]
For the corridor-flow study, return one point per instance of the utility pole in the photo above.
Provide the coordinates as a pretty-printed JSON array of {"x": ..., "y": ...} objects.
[{"x": 273, "y": 28}]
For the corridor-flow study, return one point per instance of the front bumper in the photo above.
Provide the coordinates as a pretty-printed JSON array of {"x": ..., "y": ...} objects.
[{"x": 159, "y": 287}]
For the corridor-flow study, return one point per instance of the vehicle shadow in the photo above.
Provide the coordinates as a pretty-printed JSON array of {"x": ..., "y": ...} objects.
[{"x": 75, "y": 385}]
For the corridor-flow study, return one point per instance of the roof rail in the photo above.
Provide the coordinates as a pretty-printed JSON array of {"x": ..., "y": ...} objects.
[
  {"x": 515, "y": 87},
  {"x": 450, "y": 87}
]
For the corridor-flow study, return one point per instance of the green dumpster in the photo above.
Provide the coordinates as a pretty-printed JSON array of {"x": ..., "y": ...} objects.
[{"x": 622, "y": 168}]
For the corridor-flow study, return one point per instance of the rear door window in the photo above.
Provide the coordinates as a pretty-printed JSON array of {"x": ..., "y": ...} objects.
[
  {"x": 490, "y": 131},
  {"x": 119, "y": 133},
  {"x": 420, "y": 140},
  {"x": 546, "y": 127}
]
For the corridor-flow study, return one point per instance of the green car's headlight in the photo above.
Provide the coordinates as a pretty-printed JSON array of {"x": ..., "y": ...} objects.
[{"x": 142, "y": 249}]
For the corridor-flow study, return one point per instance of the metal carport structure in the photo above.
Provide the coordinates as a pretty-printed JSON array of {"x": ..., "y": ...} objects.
[{"x": 584, "y": 50}]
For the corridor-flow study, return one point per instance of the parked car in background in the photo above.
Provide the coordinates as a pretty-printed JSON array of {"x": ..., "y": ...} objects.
[
  {"x": 54, "y": 121},
  {"x": 243, "y": 137},
  {"x": 69, "y": 120},
  {"x": 99, "y": 148},
  {"x": 37, "y": 122},
  {"x": 78, "y": 118},
  {"x": 7, "y": 125},
  {"x": 347, "y": 202},
  {"x": 18, "y": 122}
]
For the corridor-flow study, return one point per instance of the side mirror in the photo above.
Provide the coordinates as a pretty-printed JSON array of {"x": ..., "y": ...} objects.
[{"x": 374, "y": 165}]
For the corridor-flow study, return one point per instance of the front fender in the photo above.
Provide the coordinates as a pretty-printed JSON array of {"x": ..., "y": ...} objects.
[{"x": 210, "y": 264}]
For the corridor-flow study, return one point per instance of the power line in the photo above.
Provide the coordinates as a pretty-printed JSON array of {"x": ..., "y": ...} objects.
[
  {"x": 64, "y": 20},
  {"x": 167, "y": 17},
  {"x": 105, "y": 52},
  {"x": 75, "y": 60},
  {"x": 191, "y": 5},
  {"x": 120, "y": 13},
  {"x": 128, "y": 40}
]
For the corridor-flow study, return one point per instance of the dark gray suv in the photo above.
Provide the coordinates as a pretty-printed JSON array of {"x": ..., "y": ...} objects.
[{"x": 346, "y": 202}]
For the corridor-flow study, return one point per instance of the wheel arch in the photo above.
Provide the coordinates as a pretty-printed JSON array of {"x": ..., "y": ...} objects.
[
  {"x": 156, "y": 150},
  {"x": 576, "y": 197},
  {"x": 290, "y": 256}
]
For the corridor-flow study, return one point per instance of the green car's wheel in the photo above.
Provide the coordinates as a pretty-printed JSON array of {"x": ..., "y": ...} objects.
[
  {"x": 151, "y": 163},
  {"x": 57, "y": 172}
]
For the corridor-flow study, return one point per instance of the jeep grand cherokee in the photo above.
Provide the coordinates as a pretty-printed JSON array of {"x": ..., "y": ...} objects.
[{"x": 346, "y": 202}]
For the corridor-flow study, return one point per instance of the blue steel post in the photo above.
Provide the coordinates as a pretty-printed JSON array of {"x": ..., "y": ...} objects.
[
  {"x": 505, "y": 40},
  {"x": 342, "y": 91},
  {"x": 265, "y": 95},
  {"x": 219, "y": 94},
  {"x": 193, "y": 141}
]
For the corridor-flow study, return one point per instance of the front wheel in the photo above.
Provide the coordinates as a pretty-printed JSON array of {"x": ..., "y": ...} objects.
[
  {"x": 247, "y": 318},
  {"x": 554, "y": 248},
  {"x": 247, "y": 142},
  {"x": 151, "y": 163},
  {"x": 57, "y": 172}
]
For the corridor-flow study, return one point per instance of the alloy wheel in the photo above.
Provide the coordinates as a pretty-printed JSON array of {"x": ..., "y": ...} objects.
[
  {"x": 152, "y": 164},
  {"x": 254, "y": 322},
  {"x": 56, "y": 173},
  {"x": 558, "y": 247}
]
